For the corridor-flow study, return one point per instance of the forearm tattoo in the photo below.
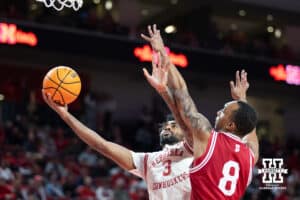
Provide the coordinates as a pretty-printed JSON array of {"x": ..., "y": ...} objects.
[{"x": 189, "y": 111}]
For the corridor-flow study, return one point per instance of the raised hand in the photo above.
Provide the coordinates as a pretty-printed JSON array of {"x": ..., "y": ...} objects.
[
  {"x": 240, "y": 87},
  {"x": 159, "y": 77},
  {"x": 57, "y": 108},
  {"x": 154, "y": 38}
]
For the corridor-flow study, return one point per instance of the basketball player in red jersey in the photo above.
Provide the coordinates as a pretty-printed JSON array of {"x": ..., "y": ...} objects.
[{"x": 223, "y": 161}]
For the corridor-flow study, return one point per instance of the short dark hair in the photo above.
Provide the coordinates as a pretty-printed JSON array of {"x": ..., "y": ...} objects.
[
  {"x": 169, "y": 117},
  {"x": 245, "y": 118}
]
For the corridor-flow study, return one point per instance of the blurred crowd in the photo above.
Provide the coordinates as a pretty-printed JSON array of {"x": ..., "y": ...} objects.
[
  {"x": 41, "y": 158},
  {"x": 230, "y": 42}
]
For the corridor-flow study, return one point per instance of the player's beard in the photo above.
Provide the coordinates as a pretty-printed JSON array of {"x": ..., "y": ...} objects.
[{"x": 170, "y": 139}]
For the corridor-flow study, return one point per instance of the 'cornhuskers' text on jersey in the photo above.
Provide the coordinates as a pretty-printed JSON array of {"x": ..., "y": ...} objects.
[{"x": 166, "y": 172}]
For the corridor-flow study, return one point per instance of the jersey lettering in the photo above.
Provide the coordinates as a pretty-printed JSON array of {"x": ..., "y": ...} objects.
[
  {"x": 228, "y": 182},
  {"x": 167, "y": 164}
]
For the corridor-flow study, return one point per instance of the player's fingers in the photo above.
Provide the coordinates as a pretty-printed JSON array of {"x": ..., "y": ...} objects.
[
  {"x": 44, "y": 95},
  {"x": 158, "y": 32},
  {"x": 147, "y": 75},
  {"x": 154, "y": 29},
  {"x": 237, "y": 78},
  {"x": 231, "y": 83},
  {"x": 145, "y": 37},
  {"x": 150, "y": 31},
  {"x": 244, "y": 77},
  {"x": 243, "y": 72}
]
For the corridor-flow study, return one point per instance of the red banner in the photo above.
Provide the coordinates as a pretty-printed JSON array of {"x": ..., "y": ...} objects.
[
  {"x": 9, "y": 34},
  {"x": 289, "y": 73},
  {"x": 144, "y": 54}
]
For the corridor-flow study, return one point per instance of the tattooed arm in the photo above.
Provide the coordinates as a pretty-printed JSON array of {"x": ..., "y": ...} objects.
[
  {"x": 162, "y": 84},
  {"x": 176, "y": 93},
  {"x": 158, "y": 80},
  {"x": 196, "y": 122}
]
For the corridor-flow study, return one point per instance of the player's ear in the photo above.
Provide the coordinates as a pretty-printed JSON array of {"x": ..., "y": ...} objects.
[{"x": 231, "y": 127}]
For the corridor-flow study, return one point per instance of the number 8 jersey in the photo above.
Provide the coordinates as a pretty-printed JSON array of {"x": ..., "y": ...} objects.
[
  {"x": 166, "y": 172},
  {"x": 225, "y": 169}
]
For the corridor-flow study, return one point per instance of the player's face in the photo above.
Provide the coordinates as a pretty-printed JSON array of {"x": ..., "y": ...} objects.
[
  {"x": 170, "y": 133},
  {"x": 224, "y": 117}
]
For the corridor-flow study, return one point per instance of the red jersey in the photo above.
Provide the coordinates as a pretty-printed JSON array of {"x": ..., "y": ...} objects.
[{"x": 225, "y": 169}]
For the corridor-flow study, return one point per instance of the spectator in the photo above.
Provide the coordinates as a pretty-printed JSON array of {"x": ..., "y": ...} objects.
[
  {"x": 53, "y": 186},
  {"x": 103, "y": 190},
  {"x": 6, "y": 190},
  {"x": 86, "y": 191},
  {"x": 88, "y": 158},
  {"x": 5, "y": 172},
  {"x": 55, "y": 165}
]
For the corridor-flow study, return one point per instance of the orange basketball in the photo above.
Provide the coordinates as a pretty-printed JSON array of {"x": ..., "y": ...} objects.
[{"x": 62, "y": 84}]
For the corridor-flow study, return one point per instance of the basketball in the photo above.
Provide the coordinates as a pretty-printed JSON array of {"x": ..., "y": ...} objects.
[{"x": 62, "y": 84}]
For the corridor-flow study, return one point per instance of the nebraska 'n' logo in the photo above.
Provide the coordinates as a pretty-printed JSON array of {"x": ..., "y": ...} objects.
[{"x": 272, "y": 170}]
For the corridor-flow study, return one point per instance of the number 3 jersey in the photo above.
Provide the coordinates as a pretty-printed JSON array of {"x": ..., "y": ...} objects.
[
  {"x": 225, "y": 169},
  {"x": 166, "y": 172}
]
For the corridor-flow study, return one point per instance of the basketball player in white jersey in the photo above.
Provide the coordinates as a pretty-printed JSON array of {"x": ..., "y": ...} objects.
[{"x": 165, "y": 172}]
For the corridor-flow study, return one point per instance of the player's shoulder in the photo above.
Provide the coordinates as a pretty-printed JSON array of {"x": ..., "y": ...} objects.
[{"x": 230, "y": 137}]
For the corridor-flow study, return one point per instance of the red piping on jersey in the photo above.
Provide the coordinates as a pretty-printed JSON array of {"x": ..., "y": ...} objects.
[
  {"x": 250, "y": 168},
  {"x": 252, "y": 153},
  {"x": 233, "y": 137},
  {"x": 188, "y": 147},
  {"x": 239, "y": 140},
  {"x": 208, "y": 155},
  {"x": 145, "y": 165}
]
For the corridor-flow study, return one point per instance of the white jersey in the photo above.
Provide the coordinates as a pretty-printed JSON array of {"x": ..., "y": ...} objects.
[{"x": 166, "y": 172}]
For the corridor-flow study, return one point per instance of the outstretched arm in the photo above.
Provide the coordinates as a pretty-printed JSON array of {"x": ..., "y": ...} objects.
[
  {"x": 170, "y": 78},
  {"x": 239, "y": 92},
  {"x": 158, "y": 80},
  {"x": 194, "y": 122},
  {"x": 175, "y": 80},
  {"x": 119, "y": 154}
]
